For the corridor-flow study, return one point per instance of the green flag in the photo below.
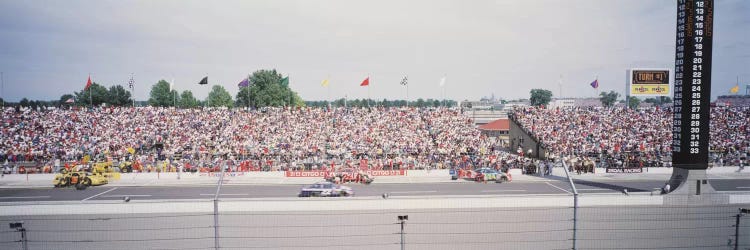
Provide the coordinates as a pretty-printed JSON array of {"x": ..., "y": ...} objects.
[{"x": 285, "y": 81}]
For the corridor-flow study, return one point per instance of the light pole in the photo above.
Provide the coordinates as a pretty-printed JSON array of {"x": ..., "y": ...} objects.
[
  {"x": 18, "y": 226},
  {"x": 742, "y": 212},
  {"x": 402, "y": 220}
]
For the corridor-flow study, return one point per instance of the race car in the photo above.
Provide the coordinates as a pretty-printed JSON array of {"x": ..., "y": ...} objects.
[
  {"x": 488, "y": 174},
  {"x": 325, "y": 189},
  {"x": 349, "y": 175},
  {"x": 81, "y": 180}
]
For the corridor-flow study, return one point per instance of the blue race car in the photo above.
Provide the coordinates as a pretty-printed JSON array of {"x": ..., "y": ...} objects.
[{"x": 326, "y": 189}]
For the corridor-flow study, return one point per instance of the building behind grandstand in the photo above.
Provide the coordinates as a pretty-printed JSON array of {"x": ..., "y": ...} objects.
[{"x": 733, "y": 100}]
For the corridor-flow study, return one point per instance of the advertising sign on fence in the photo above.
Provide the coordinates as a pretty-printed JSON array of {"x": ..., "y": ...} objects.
[
  {"x": 322, "y": 173},
  {"x": 624, "y": 170}
]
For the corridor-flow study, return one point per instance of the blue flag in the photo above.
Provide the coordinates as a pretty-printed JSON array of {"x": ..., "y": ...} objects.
[
  {"x": 595, "y": 84},
  {"x": 244, "y": 83}
]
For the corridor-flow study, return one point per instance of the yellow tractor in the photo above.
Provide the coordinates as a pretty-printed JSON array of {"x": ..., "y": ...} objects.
[{"x": 79, "y": 179}]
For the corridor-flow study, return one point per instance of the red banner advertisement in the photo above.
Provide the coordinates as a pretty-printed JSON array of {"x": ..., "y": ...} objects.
[
  {"x": 386, "y": 172},
  {"x": 316, "y": 173},
  {"x": 322, "y": 173}
]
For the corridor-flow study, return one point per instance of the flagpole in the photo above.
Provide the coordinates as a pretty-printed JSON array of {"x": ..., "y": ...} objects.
[
  {"x": 91, "y": 101},
  {"x": 368, "y": 90},
  {"x": 132, "y": 86},
  {"x": 2, "y": 88},
  {"x": 407, "y": 94},
  {"x": 208, "y": 97},
  {"x": 442, "y": 84},
  {"x": 559, "y": 85},
  {"x": 248, "y": 91},
  {"x": 174, "y": 95}
]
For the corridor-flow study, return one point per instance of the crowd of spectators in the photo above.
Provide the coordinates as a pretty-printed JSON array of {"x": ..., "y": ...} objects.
[
  {"x": 268, "y": 138},
  {"x": 377, "y": 138},
  {"x": 625, "y": 135},
  {"x": 730, "y": 135}
]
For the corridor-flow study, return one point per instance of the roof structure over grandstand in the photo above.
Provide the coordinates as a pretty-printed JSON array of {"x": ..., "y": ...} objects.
[{"x": 497, "y": 125}]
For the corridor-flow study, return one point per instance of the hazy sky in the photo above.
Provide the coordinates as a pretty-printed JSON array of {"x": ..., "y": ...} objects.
[{"x": 47, "y": 48}]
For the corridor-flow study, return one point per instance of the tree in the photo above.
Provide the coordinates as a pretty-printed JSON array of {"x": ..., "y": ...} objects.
[
  {"x": 540, "y": 97},
  {"x": 340, "y": 102},
  {"x": 661, "y": 100},
  {"x": 24, "y": 102},
  {"x": 187, "y": 100},
  {"x": 420, "y": 103},
  {"x": 118, "y": 96},
  {"x": 608, "y": 99},
  {"x": 634, "y": 102},
  {"x": 64, "y": 99},
  {"x": 98, "y": 95},
  {"x": 219, "y": 97},
  {"x": 266, "y": 90},
  {"x": 160, "y": 95}
]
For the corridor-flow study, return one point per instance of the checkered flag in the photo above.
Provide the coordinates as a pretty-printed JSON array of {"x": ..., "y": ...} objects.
[
  {"x": 404, "y": 81},
  {"x": 131, "y": 82}
]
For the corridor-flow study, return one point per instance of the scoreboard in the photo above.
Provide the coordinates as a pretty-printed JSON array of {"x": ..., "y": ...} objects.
[
  {"x": 692, "y": 83},
  {"x": 649, "y": 82}
]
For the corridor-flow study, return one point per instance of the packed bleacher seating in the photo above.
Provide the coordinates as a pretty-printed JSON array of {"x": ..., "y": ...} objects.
[
  {"x": 268, "y": 138},
  {"x": 641, "y": 135}
]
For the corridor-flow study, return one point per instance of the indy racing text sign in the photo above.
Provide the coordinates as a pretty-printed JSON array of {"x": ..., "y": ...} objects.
[
  {"x": 692, "y": 83},
  {"x": 624, "y": 170}
]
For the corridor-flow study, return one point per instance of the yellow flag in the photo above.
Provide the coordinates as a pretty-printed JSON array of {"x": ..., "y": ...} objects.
[
  {"x": 324, "y": 83},
  {"x": 735, "y": 89}
]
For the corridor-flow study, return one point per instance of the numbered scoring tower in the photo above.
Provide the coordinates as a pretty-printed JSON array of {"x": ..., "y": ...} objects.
[
  {"x": 692, "y": 85},
  {"x": 692, "y": 92}
]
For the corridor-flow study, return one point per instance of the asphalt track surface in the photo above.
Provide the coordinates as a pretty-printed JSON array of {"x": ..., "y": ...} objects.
[
  {"x": 552, "y": 187},
  {"x": 609, "y": 227},
  {"x": 616, "y": 226}
]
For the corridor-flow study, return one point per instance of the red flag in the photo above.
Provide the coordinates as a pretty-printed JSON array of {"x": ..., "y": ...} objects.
[
  {"x": 88, "y": 84},
  {"x": 366, "y": 82}
]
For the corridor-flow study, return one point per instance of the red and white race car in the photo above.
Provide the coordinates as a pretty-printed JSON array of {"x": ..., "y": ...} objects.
[{"x": 349, "y": 175}]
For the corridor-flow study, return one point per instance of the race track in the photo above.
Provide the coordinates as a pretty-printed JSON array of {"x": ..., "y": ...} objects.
[{"x": 551, "y": 187}]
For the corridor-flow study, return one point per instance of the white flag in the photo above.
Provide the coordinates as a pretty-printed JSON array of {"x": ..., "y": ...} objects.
[
  {"x": 171, "y": 85},
  {"x": 442, "y": 81}
]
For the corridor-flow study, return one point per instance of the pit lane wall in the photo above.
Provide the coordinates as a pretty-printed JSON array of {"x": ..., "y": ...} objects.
[
  {"x": 322, "y": 173},
  {"x": 275, "y": 177}
]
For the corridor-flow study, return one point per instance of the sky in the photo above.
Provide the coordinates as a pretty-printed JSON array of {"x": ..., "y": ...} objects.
[{"x": 483, "y": 48}]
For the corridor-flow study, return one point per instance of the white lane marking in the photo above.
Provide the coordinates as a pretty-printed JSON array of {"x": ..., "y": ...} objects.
[
  {"x": 503, "y": 190},
  {"x": 222, "y": 194},
  {"x": 743, "y": 187},
  {"x": 127, "y": 195},
  {"x": 591, "y": 189},
  {"x": 558, "y": 188},
  {"x": 24, "y": 197},
  {"x": 412, "y": 192},
  {"x": 113, "y": 189}
]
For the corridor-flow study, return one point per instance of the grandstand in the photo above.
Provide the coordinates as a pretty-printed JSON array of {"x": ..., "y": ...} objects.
[
  {"x": 404, "y": 137},
  {"x": 733, "y": 100},
  {"x": 619, "y": 132}
]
